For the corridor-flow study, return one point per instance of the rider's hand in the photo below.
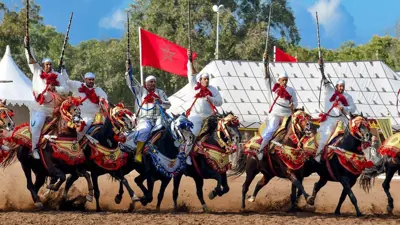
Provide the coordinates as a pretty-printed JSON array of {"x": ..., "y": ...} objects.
[
  {"x": 291, "y": 105},
  {"x": 340, "y": 108},
  {"x": 265, "y": 57},
  {"x": 51, "y": 88}
]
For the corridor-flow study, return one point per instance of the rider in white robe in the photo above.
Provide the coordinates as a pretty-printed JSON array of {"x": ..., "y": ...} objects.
[
  {"x": 333, "y": 114},
  {"x": 148, "y": 101},
  {"x": 283, "y": 106},
  {"x": 90, "y": 95},
  {"x": 45, "y": 83}
]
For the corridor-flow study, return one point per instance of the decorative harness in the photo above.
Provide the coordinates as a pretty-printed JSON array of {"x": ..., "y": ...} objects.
[
  {"x": 66, "y": 115},
  {"x": 280, "y": 92},
  {"x": 203, "y": 93},
  {"x": 51, "y": 79}
]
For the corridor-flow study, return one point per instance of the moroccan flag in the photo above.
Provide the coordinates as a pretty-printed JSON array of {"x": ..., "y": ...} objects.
[
  {"x": 160, "y": 53},
  {"x": 281, "y": 56}
]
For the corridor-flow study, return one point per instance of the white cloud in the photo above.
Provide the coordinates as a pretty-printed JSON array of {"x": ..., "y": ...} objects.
[
  {"x": 115, "y": 21},
  {"x": 334, "y": 19}
]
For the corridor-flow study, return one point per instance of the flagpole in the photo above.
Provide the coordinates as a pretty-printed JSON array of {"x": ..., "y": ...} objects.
[
  {"x": 274, "y": 53},
  {"x": 140, "y": 52}
]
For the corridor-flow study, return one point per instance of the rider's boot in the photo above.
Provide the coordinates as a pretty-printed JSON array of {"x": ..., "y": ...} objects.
[
  {"x": 35, "y": 153},
  {"x": 139, "y": 149}
]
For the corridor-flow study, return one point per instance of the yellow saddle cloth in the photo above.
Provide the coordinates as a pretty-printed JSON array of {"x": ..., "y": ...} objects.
[
  {"x": 391, "y": 146},
  {"x": 68, "y": 150},
  {"x": 109, "y": 159}
]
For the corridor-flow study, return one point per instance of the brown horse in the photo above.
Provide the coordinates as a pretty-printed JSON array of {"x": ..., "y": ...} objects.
[
  {"x": 282, "y": 158},
  {"x": 20, "y": 146}
]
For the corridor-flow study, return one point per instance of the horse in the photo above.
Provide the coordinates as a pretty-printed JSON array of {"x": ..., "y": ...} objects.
[
  {"x": 386, "y": 160},
  {"x": 163, "y": 157},
  {"x": 101, "y": 148},
  {"x": 218, "y": 138},
  {"x": 343, "y": 159},
  {"x": 6, "y": 125},
  {"x": 20, "y": 145},
  {"x": 283, "y": 158}
]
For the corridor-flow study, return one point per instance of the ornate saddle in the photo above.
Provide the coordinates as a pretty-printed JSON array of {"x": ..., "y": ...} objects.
[
  {"x": 68, "y": 150},
  {"x": 108, "y": 159},
  {"x": 391, "y": 146}
]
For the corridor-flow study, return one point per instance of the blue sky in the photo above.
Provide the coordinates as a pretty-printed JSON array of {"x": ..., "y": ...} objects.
[{"x": 340, "y": 20}]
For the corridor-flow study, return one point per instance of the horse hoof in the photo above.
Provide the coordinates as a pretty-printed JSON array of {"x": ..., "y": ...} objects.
[
  {"x": 39, "y": 205},
  {"x": 291, "y": 210},
  {"x": 89, "y": 198},
  {"x": 117, "y": 199},
  {"x": 359, "y": 214},
  {"x": 212, "y": 195},
  {"x": 206, "y": 209},
  {"x": 311, "y": 200},
  {"x": 337, "y": 213},
  {"x": 99, "y": 210},
  {"x": 158, "y": 209},
  {"x": 251, "y": 199},
  {"x": 131, "y": 207},
  {"x": 143, "y": 201},
  {"x": 389, "y": 209}
]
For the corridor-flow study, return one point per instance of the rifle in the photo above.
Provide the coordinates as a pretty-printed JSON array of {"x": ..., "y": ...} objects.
[
  {"x": 128, "y": 49},
  {"x": 189, "y": 36},
  {"x": 60, "y": 65},
  {"x": 320, "y": 60},
  {"x": 266, "y": 72},
  {"x": 28, "y": 47}
]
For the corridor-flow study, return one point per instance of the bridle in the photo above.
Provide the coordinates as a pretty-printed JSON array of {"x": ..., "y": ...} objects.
[
  {"x": 6, "y": 113},
  {"x": 298, "y": 118},
  {"x": 229, "y": 120},
  {"x": 72, "y": 120},
  {"x": 354, "y": 127}
]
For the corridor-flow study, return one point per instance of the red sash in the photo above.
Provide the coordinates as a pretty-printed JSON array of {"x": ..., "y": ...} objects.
[
  {"x": 90, "y": 94},
  {"x": 280, "y": 92},
  {"x": 51, "y": 79}
]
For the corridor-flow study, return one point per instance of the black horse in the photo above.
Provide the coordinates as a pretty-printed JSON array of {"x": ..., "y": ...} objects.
[
  {"x": 20, "y": 148},
  {"x": 386, "y": 160},
  {"x": 220, "y": 132},
  {"x": 103, "y": 147},
  {"x": 163, "y": 158},
  {"x": 332, "y": 167},
  {"x": 298, "y": 125}
]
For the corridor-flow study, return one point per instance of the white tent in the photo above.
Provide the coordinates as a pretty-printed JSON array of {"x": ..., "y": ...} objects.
[
  {"x": 372, "y": 84},
  {"x": 18, "y": 88}
]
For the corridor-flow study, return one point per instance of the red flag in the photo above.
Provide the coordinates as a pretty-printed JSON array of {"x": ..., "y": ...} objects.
[
  {"x": 281, "y": 56},
  {"x": 163, "y": 54}
]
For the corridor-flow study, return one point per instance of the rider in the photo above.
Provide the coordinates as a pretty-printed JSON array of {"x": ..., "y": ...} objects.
[
  {"x": 90, "y": 95},
  {"x": 205, "y": 99},
  {"x": 283, "y": 100},
  {"x": 148, "y": 100},
  {"x": 45, "y": 83},
  {"x": 337, "y": 105}
]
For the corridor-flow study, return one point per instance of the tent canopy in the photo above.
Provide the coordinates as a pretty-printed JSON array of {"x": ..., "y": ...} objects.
[
  {"x": 372, "y": 84},
  {"x": 18, "y": 87}
]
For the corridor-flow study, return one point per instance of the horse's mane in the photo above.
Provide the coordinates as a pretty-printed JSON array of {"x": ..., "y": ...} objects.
[{"x": 209, "y": 125}]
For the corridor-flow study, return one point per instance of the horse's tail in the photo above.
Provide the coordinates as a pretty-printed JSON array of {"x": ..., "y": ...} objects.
[
  {"x": 240, "y": 164},
  {"x": 367, "y": 178},
  {"x": 11, "y": 157}
]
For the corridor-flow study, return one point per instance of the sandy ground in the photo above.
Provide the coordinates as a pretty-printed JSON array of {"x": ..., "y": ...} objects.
[{"x": 17, "y": 206}]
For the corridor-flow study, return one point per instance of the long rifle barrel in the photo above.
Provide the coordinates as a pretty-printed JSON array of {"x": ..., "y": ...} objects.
[
  {"x": 128, "y": 55},
  {"x": 318, "y": 36},
  {"x": 65, "y": 42},
  {"x": 268, "y": 27},
  {"x": 189, "y": 27}
]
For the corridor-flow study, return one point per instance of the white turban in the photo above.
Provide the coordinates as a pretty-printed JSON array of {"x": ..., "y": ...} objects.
[
  {"x": 46, "y": 60},
  {"x": 199, "y": 76},
  {"x": 151, "y": 77},
  {"x": 90, "y": 75},
  {"x": 283, "y": 75},
  {"x": 340, "y": 82}
]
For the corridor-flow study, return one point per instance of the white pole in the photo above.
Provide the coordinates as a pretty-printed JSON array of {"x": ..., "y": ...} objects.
[
  {"x": 216, "y": 49},
  {"x": 140, "y": 52}
]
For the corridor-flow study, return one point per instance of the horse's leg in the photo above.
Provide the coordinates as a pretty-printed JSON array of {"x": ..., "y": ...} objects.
[
  {"x": 317, "y": 186},
  {"x": 96, "y": 190},
  {"x": 260, "y": 184},
  {"x": 299, "y": 186},
  {"x": 199, "y": 191},
  {"x": 139, "y": 182},
  {"x": 390, "y": 171},
  {"x": 118, "y": 197},
  {"x": 250, "y": 175},
  {"x": 175, "y": 191},
  {"x": 39, "y": 181},
  {"x": 31, "y": 187},
  {"x": 164, "y": 184},
  {"x": 71, "y": 179},
  {"x": 217, "y": 190},
  {"x": 89, "y": 197},
  {"x": 347, "y": 185},
  {"x": 134, "y": 198},
  {"x": 293, "y": 198},
  {"x": 58, "y": 173},
  {"x": 225, "y": 186},
  {"x": 341, "y": 200},
  {"x": 150, "y": 188}
]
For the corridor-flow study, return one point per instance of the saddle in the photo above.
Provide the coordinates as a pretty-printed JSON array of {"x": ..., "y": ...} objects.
[
  {"x": 106, "y": 158},
  {"x": 68, "y": 150},
  {"x": 391, "y": 146}
]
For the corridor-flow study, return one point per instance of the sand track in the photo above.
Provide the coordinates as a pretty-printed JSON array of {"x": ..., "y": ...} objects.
[{"x": 270, "y": 206}]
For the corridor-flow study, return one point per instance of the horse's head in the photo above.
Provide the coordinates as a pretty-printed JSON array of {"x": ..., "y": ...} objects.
[
  {"x": 182, "y": 128},
  {"x": 359, "y": 128},
  {"x": 228, "y": 131},
  {"x": 71, "y": 113},
  {"x": 122, "y": 119},
  {"x": 301, "y": 121},
  {"x": 6, "y": 114}
]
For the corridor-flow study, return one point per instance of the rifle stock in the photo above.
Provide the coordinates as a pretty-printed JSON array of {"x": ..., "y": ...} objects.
[{"x": 60, "y": 64}]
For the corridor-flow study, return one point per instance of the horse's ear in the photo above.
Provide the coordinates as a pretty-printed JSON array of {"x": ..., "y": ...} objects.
[
  {"x": 302, "y": 108},
  {"x": 351, "y": 115},
  {"x": 223, "y": 113},
  {"x": 4, "y": 102},
  {"x": 361, "y": 114}
]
